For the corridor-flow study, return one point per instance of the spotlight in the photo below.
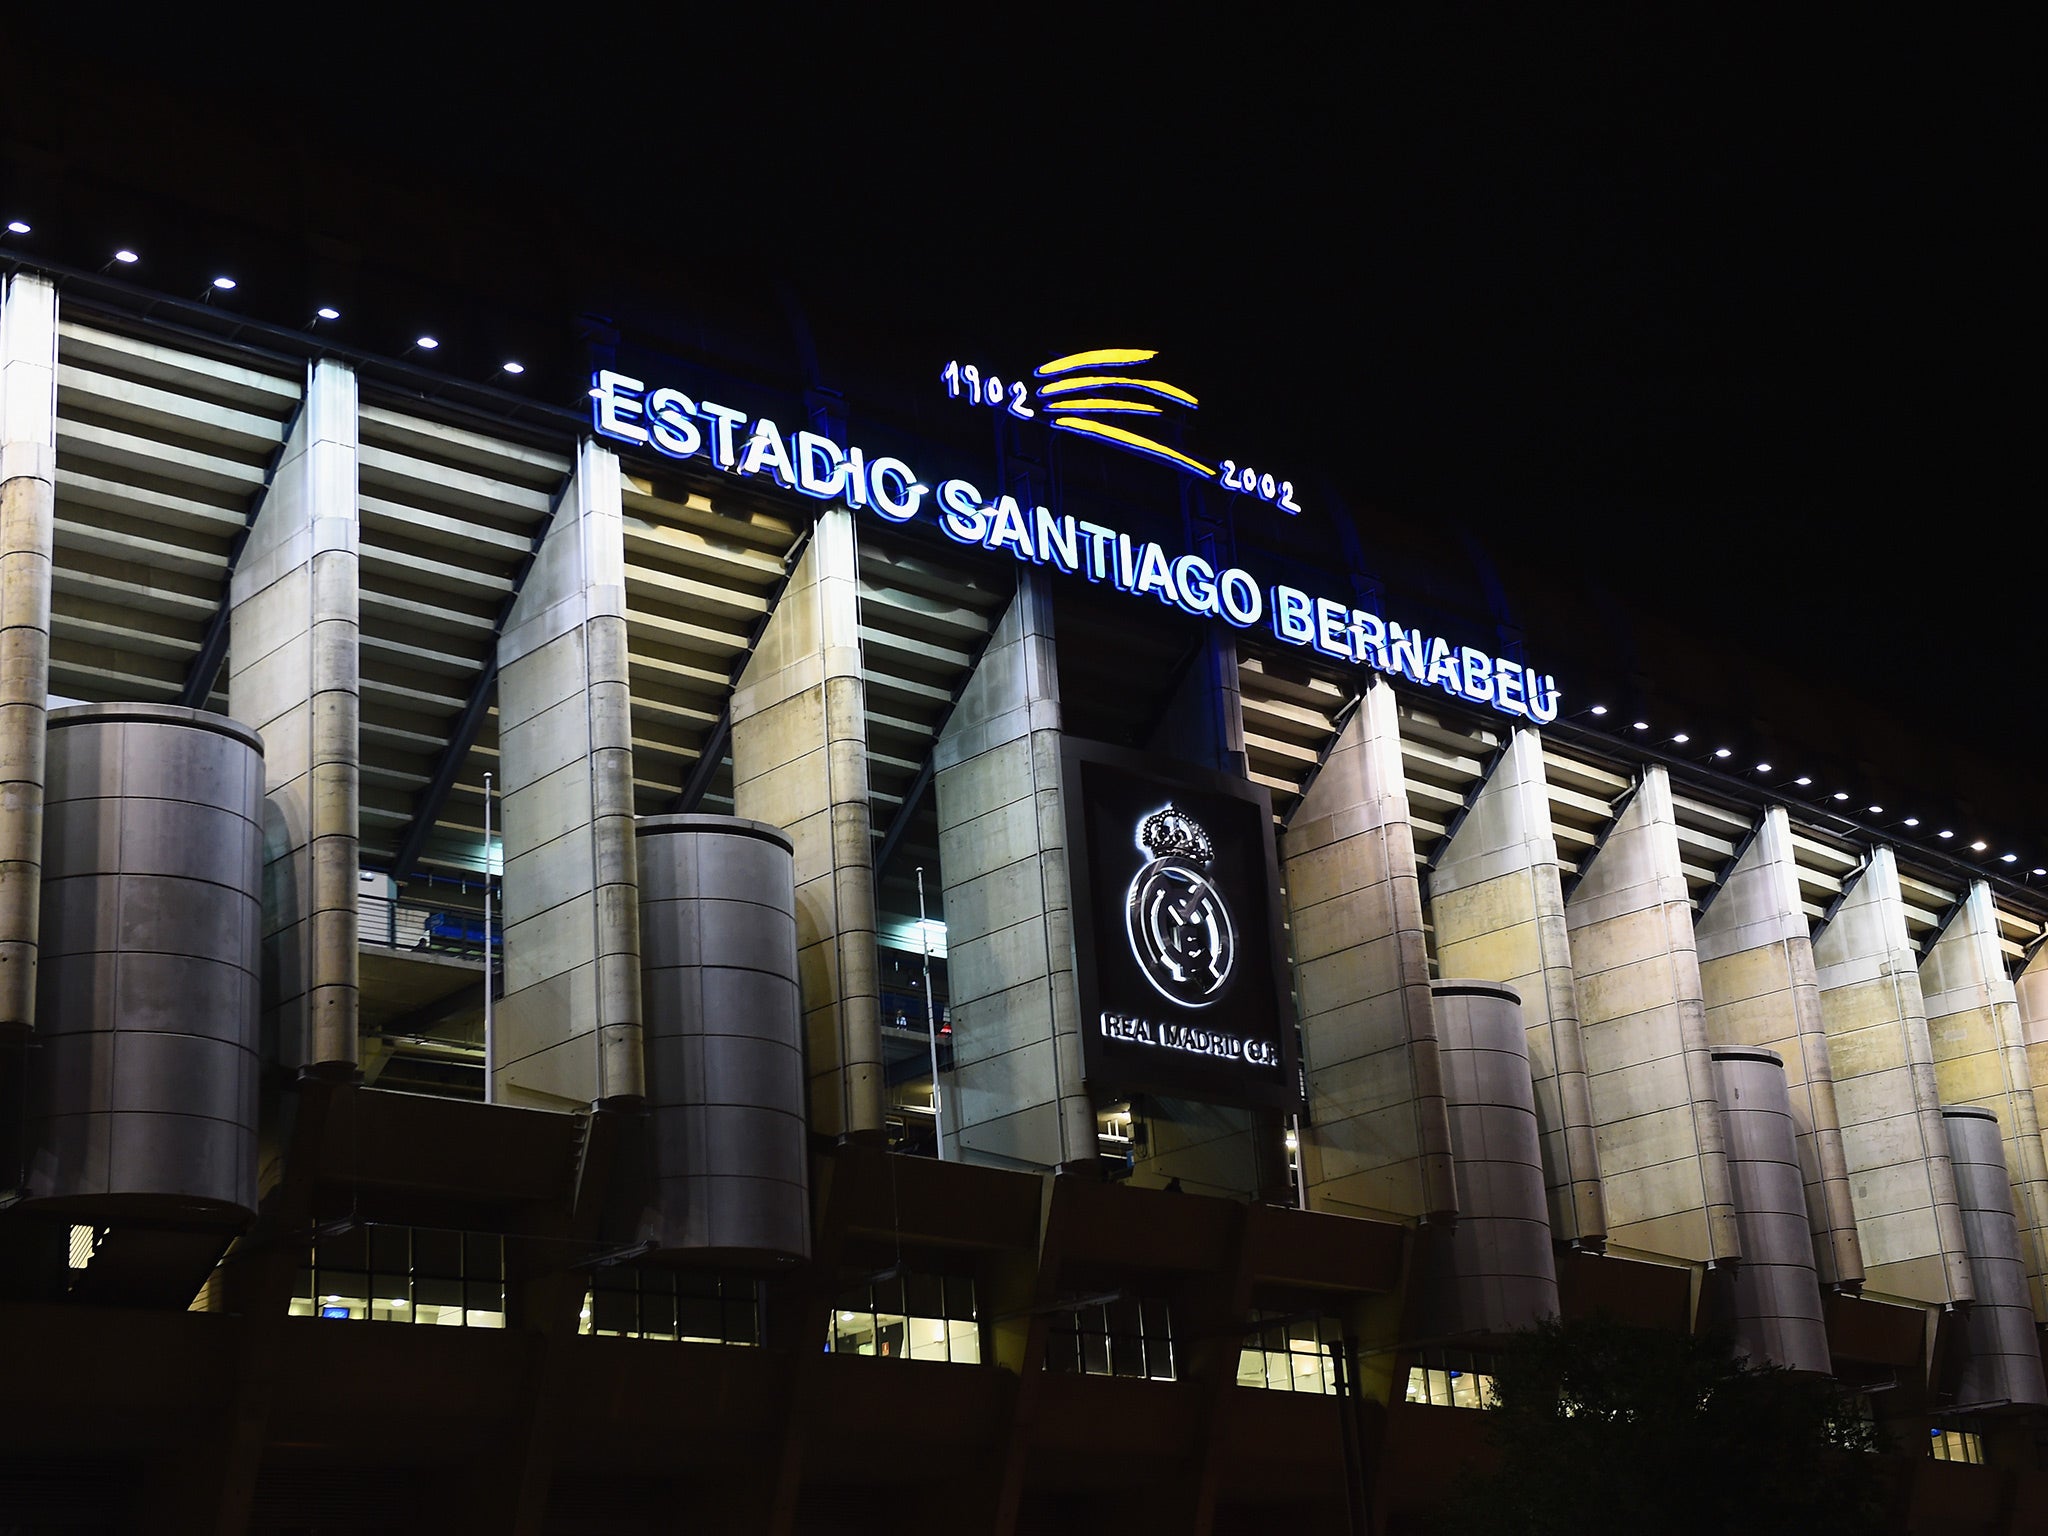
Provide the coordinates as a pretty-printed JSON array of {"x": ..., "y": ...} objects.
[
  {"x": 1944, "y": 833},
  {"x": 1874, "y": 810},
  {"x": 2008, "y": 858},
  {"x": 2041, "y": 871},
  {"x": 324, "y": 312},
  {"x": 515, "y": 368},
  {"x": 1840, "y": 795},
  {"x": 224, "y": 284},
  {"x": 1722, "y": 752},
  {"x": 1979, "y": 846},
  {"x": 16, "y": 227},
  {"x": 1803, "y": 781},
  {"x": 1912, "y": 821},
  {"x": 1681, "y": 738},
  {"x": 1597, "y": 709},
  {"x": 426, "y": 343},
  {"x": 1642, "y": 725},
  {"x": 124, "y": 256},
  {"x": 1763, "y": 767}
]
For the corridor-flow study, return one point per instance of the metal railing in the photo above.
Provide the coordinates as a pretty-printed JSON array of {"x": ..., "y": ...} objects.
[{"x": 426, "y": 927}]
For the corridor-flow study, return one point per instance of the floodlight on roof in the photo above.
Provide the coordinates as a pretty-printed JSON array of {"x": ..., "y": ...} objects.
[
  {"x": 515, "y": 369},
  {"x": 1979, "y": 846},
  {"x": 16, "y": 227},
  {"x": 1722, "y": 752},
  {"x": 1763, "y": 767},
  {"x": 126, "y": 257}
]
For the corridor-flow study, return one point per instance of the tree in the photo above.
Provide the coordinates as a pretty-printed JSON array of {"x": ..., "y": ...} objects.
[{"x": 1602, "y": 1427}]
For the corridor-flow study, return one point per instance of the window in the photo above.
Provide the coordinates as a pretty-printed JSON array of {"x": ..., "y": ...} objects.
[
  {"x": 907, "y": 1316},
  {"x": 1956, "y": 1440},
  {"x": 1451, "y": 1379},
  {"x": 388, "y": 1274},
  {"x": 1120, "y": 1337},
  {"x": 690, "y": 1306},
  {"x": 1291, "y": 1354}
]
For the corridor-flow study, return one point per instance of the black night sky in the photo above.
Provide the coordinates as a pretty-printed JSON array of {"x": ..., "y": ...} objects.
[{"x": 1719, "y": 341}]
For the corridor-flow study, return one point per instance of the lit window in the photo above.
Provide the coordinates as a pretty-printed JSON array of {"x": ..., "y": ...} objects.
[
  {"x": 1122, "y": 1337},
  {"x": 84, "y": 1242},
  {"x": 1291, "y": 1355},
  {"x": 1451, "y": 1379},
  {"x": 388, "y": 1274},
  {"x": 687, "y": 1306},
  {"x": 1954, "y": 1440},
  {"x": 916, "y": 1317}
]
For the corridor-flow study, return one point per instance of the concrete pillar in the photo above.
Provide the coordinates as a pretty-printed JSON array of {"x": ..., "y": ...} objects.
[
  {"x": 799, "y": 762},
  {"x": 1642, "y": 1017},
  {"x": 28, "y": 512},
  {"x": 568, "y": 1030},
  {"x": 1497, "y": 901},
  {"x": 2030, "y": 991},
  {"x": 294, "y": 674},
  {"x": 1908, "y": 1223},
  {"x": 1016, "y": 1097},
  {"x": 1980, "y": 1062},
  {"x": 1378, "y": 1137},
  {"x": 1762, "y": 992}
]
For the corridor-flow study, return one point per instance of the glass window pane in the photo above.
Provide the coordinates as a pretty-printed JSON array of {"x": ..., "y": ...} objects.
[
  {"x": 344, "y": 1250},
  {"x": 927, "y": 1338},
  {"x": 1095, "y": 1354},
  {"x": 699, "y": 1318},
  {"x": 890, "y": 1331},
  {"x": 390, "y": 1248},
  {"x": 925, "y": 1296},
  {"x": 1251, "y": 1368},
  {"x": 1418, "y": 1385},
  {"x": 483, "y": 1256},
  {"x": 611, "y": 1311},
  {"x": 657, "y": 1315},
  {"x": 959, "y": 1296},
  {"x": 437, "y": 1253},
  {"x": 964, "y": 1340}
]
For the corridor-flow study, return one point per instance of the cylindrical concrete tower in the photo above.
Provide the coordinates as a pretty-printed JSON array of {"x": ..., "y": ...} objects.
[
  {"x": 2000, "y": 1355},
  {"x": 725, "y": 1059},
  {"x": 144, "y": 1093},
  {"x": 1775, "y": 1294},
  {"x": 1493, "y": 1271}
]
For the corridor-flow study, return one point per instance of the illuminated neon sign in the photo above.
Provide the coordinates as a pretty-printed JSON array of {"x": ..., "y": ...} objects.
[
  {"x": 812, "y": 464},
  {"x": 1077, "y": 390}
]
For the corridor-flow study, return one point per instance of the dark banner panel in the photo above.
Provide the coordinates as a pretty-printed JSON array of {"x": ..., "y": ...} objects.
[{"x": 1177, "y": 930}]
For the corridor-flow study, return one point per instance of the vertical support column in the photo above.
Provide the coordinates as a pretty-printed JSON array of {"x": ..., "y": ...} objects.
[
  {"x": 2030, "y": 991},
  {"x": 1980, "y": 1061},
  {"x": 1908, "y": 1223},
  {"x": 294, "y": 673},
  {"x": 1016, "y": 1098},
  {"x": 568, "y": 1031},
  {"x": 799, "y": 762},
  {"x": 1762, "y": 991},
  {"x": 1642, "y": 1017},
  {"x": 1379, "y": 1135},
  {"x": 28, "y": 513},
  {"x": 1497, "y": 900}
]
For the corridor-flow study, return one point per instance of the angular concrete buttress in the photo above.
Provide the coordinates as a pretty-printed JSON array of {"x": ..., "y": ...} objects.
[
  {"x": 1642, "y": 1017},
  {"x": 1908, "y": 1222},
  {"x": 1497, "y": 901},
  {"x": 294, "y": 674},
  {"x": 1757, "y": 970},
  {"x": 1980, "y": 1061},
  {"x": 799, "y": 762},
  {"x": 28, "y": 512},
  {"x": 568, "y": 1031},
  {"x": 1378, "y": 1134},
  {"x": 1016, "y": 1095}
]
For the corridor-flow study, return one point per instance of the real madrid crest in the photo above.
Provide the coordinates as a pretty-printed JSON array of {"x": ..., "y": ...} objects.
[{"x": 1179, "y": 924}]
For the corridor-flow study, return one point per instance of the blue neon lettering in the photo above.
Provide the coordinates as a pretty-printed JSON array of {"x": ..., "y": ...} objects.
[
  {"x": 723, "y": 419},
  {"x": 1407, "y": 649},
  {"x": 1099, "y": 541},
  {"x": 1126, "y": 563},
  {"x": 669, "y": 425},
  {"x": 1008, "y": 530},
  {"x": 1476, "y": 675},
  {"x": 1507, "y": 691},
  {"x": 820, "y": 466},
  {"x": 1443, "y": 666},
  {"x": 1332, "y": 624},
  {"x": 766, "y": 450},
  {"x": 1543, "y": 696},
  {"x": 1242, "y": 601},
  {"x": 1154, "y": 576},
  {"x": 894, "y": 490},
  {"x": 1369, "y": 639},
  {"x": 1194, "y": 584},
  {"x": 960, "y": 511},
  {"x": 1059, "y": 541},
  {"x": 1291, "y": 621},
  {"x": 614, "y": 399},
  {"x": 856, "y": 478}
]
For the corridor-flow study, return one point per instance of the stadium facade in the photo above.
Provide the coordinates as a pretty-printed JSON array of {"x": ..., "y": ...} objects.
[{"x": 692, "y": 958}]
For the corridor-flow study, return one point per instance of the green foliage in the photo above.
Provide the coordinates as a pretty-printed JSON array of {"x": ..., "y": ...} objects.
[{"x": 1600, "y": 1428}]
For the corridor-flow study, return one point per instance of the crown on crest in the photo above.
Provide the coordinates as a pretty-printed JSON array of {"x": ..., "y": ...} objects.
[{"x": 1171, "y": 833}]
